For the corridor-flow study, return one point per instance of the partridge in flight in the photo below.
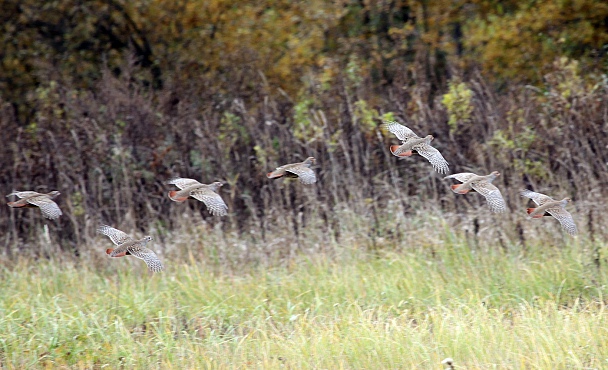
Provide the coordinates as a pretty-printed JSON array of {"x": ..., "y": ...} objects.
[
  {"x": 45, "y": 202},
  {"x": 483, "y": 185},
  {"x": 411, "y": 142},
  {"x": 549, "y": 206},
  {"x": 203, "y": 192},
  {"x": 127, "y": 246},
  {"x": 300, "y": 170}
]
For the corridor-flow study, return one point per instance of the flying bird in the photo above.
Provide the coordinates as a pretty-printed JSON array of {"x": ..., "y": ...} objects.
[
  {"x": 481, "y": 184},
  {"x": 127, "y": 246},
  {"x": 412, "y": 142},
  {"x": 549, "y": 206},
  {"x": 300, "y": 170},
  {"x": 29, "y": 199},
  {"x": 207, "y": 194}
]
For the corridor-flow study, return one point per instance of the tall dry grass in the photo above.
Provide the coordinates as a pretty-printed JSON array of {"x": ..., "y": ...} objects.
[{"x": 110, "y": 149}]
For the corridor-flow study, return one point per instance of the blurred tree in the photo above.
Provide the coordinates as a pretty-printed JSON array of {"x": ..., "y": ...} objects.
[
  {"x": 521, "y": 42},
  {"x": 228, "y": 42}
]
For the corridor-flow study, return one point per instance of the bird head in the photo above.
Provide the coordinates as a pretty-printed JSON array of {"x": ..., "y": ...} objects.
[
  {"x": 495, "y": 173},
  {"x": 310, "y": 160},
  {"x": 147, "y": 238},
  {"x": 216, "y": 185},
  {"x": 54, "y": 194},
  {"x": 430, "y": 137}
]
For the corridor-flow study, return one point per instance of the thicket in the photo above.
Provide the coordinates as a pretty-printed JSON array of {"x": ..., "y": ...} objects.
[{"x": 106, "y": 100}]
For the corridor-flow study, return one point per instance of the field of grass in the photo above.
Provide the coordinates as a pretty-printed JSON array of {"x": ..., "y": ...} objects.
[{"x": 405, "y": 309}]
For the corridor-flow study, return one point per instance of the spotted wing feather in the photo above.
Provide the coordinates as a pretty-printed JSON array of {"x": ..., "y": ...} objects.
[
  {"x": 565, "y": 219},
  {"x": 538, "y": 198},
  {"x": 183, "y": 183},
  {"x": 149, "y": 257},
  {"x": 493, "y": 196},
  {"x": 214, "y": 202},
  {"x": 49, "y": 208},
  {"x": 401, "y": 132},
  {"x": 305, "y": 174},
  {"x": 433, "y": 156},
  {"x": 116, "y": 236}
]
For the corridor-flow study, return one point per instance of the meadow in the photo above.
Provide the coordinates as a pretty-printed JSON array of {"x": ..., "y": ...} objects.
[
  {"x": 378, "y": 265},
  {"x": 406, "y": 303}
]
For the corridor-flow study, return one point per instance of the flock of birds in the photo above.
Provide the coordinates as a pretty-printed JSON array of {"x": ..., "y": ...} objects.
[{"x": 208, "y": 194}]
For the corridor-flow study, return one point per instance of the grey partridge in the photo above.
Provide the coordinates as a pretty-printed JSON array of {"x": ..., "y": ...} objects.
[
  {"x": 205, "y": 193},
  {"x": 556, "y": 208},
  {"x": 411, "y": 142},
  {"x": 481, "y": 184},
  {"x": 300, "y": 170},
  {"x": 45, "y": 202},
  {"x": 127, "y": 246}
]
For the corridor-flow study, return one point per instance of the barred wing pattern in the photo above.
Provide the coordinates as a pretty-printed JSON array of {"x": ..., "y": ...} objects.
[
  {"x": 434, "y": 157},
  {"x": 149, "y": 257},
  {"x": 493, "y": 196},
  {"x": 116, "y": 236},
  {"x": 49, "y": 208},
  {"x": 401, "y": 132},
  {"x": 565, "y": 219},
  {"x": 183, "y": 183},
  {"x": 214, "y": 202},
  {"x": 538, "y": 198},
  {"x": 305, "y": 174}
]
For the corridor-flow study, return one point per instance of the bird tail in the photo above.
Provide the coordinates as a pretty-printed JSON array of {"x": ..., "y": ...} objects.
[
  {"x": 110, "y": 250},
  {"x": 19, "y": 204},
  {"x": 456, "y": 190},
  {"x": 172, "y": 195},
  {"x": 404, "y": 154},
  {"x": 530, "y": 210}
]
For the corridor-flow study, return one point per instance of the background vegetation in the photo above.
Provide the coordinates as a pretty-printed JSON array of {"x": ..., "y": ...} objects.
[{"x": 106, "y": 100}]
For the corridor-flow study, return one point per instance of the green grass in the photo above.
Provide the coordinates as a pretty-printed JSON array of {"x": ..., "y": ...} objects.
[{"x": 387, "y": 310}]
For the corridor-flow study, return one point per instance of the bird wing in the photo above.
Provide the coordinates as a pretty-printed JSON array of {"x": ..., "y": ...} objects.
[
  {"x": 538, "y": 198},
  {"x": 493, "y": 196},
  {"x": 49, "y": 208},
  {"x": 149, "y": 257},
  {"x": 305, "y": 174},
  {"x": 214, "y": 202},
  {"x": 565, "y": 219},
  {"x": 183, "y": 183},
  {"x": 403, "y": 133},
  {"x": 462, "y": 177},
  {"x": 116, "y": 236},
  {"x": 433, "y": 156},
  {"x": 23, "y": 194}
]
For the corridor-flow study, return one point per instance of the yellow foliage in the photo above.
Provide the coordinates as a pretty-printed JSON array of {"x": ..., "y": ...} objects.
[
  {"x": 458, "y": 103},
  {"x": 522, "y": 44}
]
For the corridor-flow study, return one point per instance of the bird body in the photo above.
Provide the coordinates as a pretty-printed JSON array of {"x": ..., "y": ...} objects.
[
  {"x": 30, "y": 199},
  {"x": 206, "y": 193},
  {"x": 405, "y": 149},
  {"x": 481, "y": 184},
  {"x": 552, "y": 207},
  {"x": 127, "y": 246},
  {"x": 300, "y": 170},
  {"x": 411, "y": 142}
]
